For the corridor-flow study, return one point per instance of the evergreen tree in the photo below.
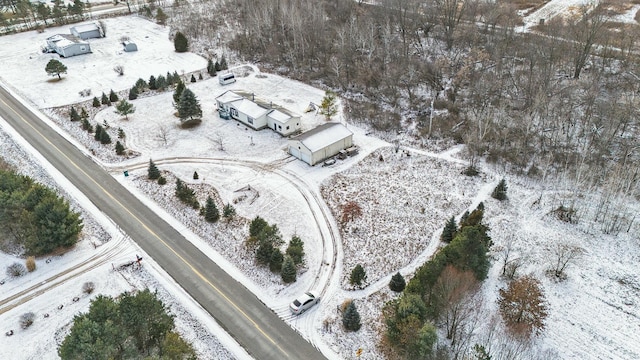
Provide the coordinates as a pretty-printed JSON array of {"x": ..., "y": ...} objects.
[
  {"x": 195, "y": 175},
  {"x": 397, "y": 283},
  {"x": 193, "y": 78},
  {"x": 113, "y": 97},
  {"x": 96, "y": 102},
  {"x": 86, "y": 125},
  {"x": 121, "y": 134},
  {"x": 223, "y": 63},
  {"x": 153, "y": 172},
  {"x": 104, "y": 137},
  {"x": 351, "y": 318},
  {"x": 275, "y": 263},
  {"x": 162, "y": 180},
  {"x": 217, "y": 66},
  {"x": 55, "y": 68},
  {"x": 211, "y": 213},
  {"x": 83, "y": 114},
  {"x": 256, "y": 226},
  {"x": 105, "y": 99},
  {"x": 296, "y": 250},
  {"x": 199, "y": 76},
  {"x": 133, "y": 93},
  {"x": 141, "y": 85},
  {"x": 152, "y": 83},
  {"x": 288, "y": 272},
  {"x": 228, "y": 211},
  {"x": 449, "y": 231},
  {"x": 124, "y": 108},
  {"x": 186, "y": 194},
  {"x": 211, "y": 70},
  {"x": 119, "y": 148},
  {"x": 263, "y": 253},
  {"x": 180, "y": 43},
  {"x": 358, "y": 276},
  {"x": 73, "y": 114},
  {"x": 97, "y": 135},
  {"x": 161, "y": 17},
  {"x": 500, "y": 191},
  {"x": 188, "y": 106},
  {"x": 170, "y": 79},
  {"x": 161, "y": 82},
  {"x": 328, "y": 106},
  {"x": 145, "y": 318},
  {"x": 178, "y": 92}
]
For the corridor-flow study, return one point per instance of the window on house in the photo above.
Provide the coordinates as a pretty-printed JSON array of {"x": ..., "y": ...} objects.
[
  {"x": 234, "y": 112},
  {"x": 249, "y": 119},
  {"x": 279, "y": 127},
  {"x": 287, "y": 127}
]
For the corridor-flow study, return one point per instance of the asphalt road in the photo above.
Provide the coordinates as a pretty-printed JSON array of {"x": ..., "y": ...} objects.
[{"x": 254, "y": 326}]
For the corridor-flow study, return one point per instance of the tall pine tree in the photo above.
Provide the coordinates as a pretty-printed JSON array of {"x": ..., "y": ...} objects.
[
  {"x": 211, "y": 213},
  {"x": 449, "y": 231},
  {"x": 189, "y": 106},
  {"x": 153, "y": 173},
  {"x": 288, "y": 272}
]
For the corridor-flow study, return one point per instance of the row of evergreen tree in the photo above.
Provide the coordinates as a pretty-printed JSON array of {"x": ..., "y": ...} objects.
[
  {"x": 34, "y": 217},
  {"x": 99, "y": 132},
  {"x": 269, "y": 240},
  {"x": 410, "y": 319}
]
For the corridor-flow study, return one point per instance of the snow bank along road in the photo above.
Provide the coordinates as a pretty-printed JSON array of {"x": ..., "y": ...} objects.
[{"x": 261, "y": 332}]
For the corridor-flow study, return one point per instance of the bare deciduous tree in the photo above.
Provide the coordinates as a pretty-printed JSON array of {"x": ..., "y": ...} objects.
[
  {"x": 162, "y": 134},
  {"x": 219, "y": 140},
  {"x": 119, "y": 69},
  {"x": 452, "y": 293},
  {"x": 563, "y": 254}
]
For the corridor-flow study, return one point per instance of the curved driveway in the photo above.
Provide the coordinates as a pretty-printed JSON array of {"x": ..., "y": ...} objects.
[{"x": 261, "y": 332}]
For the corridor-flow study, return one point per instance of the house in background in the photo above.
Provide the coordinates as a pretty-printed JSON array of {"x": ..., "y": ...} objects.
[
  {"x": 87, "y": 31},
  {"x": 321, "y": 143},
  {"x": 256, "y": 113},
  {"x": 67, "y": 45}
]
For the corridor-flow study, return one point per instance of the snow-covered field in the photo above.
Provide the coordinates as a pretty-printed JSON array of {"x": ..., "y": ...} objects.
[{"x": 405, "y": 200}]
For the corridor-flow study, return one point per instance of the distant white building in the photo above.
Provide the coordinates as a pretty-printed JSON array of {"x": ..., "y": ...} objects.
[
  {"x": 87, "y": 31},
  {"x": 321, "y": 143},
  {"x": 67, "y": 45},
  {"x": 256, "y": 113}
]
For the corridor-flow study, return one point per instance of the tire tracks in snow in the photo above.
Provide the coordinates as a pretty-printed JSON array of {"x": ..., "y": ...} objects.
[{"x": 95, "y": 261}]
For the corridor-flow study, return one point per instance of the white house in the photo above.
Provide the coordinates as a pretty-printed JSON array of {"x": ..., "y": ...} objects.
[
  {"x": 67, "y": 45},
  {"x": 321, "y": 142},
  {"x": 258, "y": 114},
  {"x": 87, "y": 31}
]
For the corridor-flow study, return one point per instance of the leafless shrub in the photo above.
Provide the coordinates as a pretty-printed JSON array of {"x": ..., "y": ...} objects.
[
  {"x": 350, "y": 211},
  {"x": 119, "y": 69},
  {"x": 162, "y": 134},
  {"x": 27, "y": 319},
  {"x": 345, "y": 304},
  {"x": 88, "y": 287},
  {"x": 85, "y": 92},
  {"x": 124, "y": 38},
  {"x": 16, "y": 270}
]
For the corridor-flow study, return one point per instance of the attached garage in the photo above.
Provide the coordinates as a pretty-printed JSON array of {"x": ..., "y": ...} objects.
[{"x": 321, "y": 143}]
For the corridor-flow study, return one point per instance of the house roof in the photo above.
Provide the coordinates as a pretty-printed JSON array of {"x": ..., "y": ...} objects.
[
  {"x": 86, "y": 27},
  {"x": 279, "y": 116},
  {"x": 323, "y": 136},
  {"x": 228, "y": 97},
  {"x": 250, "y": 108},
  {"x": 64, "y": 40}
]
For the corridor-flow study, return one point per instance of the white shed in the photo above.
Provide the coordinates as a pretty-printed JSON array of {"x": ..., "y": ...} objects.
[
  {"x": 87, "y": 31},
  {"x": 320, "y": 143}
]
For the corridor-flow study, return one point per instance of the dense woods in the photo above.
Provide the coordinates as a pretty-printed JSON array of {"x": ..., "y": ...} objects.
[{"x": 556, "y": 103}]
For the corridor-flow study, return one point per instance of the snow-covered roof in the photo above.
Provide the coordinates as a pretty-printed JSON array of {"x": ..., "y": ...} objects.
[
  {"x": 279, "y": 116},
  {"x": 228, "y": 96},
  {"x": 86, "y": 27},
  {"x": 250, "y": 108},
  {"x": 323, "y": 136}
]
